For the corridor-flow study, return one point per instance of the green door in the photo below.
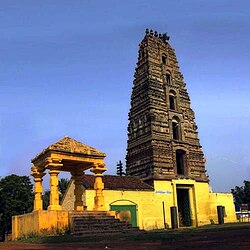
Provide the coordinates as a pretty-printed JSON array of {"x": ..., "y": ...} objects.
[{"x": 131, "y": 208}]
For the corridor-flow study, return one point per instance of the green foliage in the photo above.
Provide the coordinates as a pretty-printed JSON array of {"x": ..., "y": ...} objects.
[
  {"x": 16, "y": 197},
  {"x": 46, "y": 197},
  {"x": 242, "y": 194},
  {"x": 63, "y": 185}
]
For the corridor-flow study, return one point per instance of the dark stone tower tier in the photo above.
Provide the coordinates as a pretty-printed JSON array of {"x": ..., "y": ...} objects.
[{"x": 162, "y": 134}]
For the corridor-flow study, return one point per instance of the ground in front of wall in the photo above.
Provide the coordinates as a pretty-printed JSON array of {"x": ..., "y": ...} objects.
[{"x": 228, "y": 236}]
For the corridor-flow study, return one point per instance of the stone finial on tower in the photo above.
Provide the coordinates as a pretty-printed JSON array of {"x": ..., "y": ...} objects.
[{"x": 165, "y": 37}]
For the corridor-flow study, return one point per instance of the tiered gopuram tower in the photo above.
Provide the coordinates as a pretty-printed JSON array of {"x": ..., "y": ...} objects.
[{"x": 163, "y": 140}]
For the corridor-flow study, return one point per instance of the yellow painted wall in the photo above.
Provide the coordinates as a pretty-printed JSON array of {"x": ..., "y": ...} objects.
[
  {"x": 42, "y": 222},
  {"x": 24, "y": 224},
  {"x": 198, "y": 196},
  {"x": 203, "y": 204},
  {"x": 226, "y": 200},
  {"x": 148, "y": 204}
]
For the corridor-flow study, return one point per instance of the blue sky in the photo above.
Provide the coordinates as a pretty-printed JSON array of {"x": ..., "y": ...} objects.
[{"x": 67, "y": 68}]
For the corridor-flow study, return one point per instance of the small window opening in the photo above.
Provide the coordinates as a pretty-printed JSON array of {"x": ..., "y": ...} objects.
[
  {"x": 164, "y": 59},
  {"x": 168, "y": 78},
  {"x": 172, "y": 102},
  {"x": 175, "y": 127},
  {"x": 180, "y": 162}
]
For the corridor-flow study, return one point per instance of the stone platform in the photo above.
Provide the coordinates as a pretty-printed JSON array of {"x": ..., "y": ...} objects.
[{"x": 78, "y": 223}]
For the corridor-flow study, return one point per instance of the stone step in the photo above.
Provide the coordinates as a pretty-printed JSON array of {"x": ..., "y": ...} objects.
[
  {"x": 103, "y": 223},
  {"x": 78, "y": 220},
  {"x": 88, "y": 220},
  {"x": 90, "y": 213},
  {"x": 132, "y": 229},
  {"x": 106, "y": 232},
  {"x": 92, "y": 216},
  {"x": 98, "y": 222},
  {"x": 98, "y": 226},
  {"x": 106, "y": 218},
  {"x": 104, "y": 229}
]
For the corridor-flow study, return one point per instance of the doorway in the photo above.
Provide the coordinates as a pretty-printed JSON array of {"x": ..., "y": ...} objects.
[
  {"x": 130, "y": 208},
  {"x": 183, "y": 207}
]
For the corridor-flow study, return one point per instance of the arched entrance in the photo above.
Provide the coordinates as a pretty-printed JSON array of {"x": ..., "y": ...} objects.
[{"x": 127, "y": 209}]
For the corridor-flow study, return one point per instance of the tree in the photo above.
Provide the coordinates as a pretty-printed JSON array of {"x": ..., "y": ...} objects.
[
  {"x": 119, "y": 169},
  {"x": 16, "y": 197},
  {"x": 63, "y": 185},
  {"x": 242, "y": 194},
  {"x": 46, "y": 198}
]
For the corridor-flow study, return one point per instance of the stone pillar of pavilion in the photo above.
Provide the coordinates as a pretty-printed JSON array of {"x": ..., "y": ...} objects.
[
  {"x": 98, "y": 170},
  {"x": 78, "y": 176},
  {"x": 54, "y": 192},
  {"x": 38, "y": 188}
]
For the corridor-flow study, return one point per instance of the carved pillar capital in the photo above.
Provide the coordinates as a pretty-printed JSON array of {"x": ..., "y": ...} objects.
[
  {"x": 36, "y": 172},
  {"x": 53, "y": 163},
  {"x": 98, "y": 169}
]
